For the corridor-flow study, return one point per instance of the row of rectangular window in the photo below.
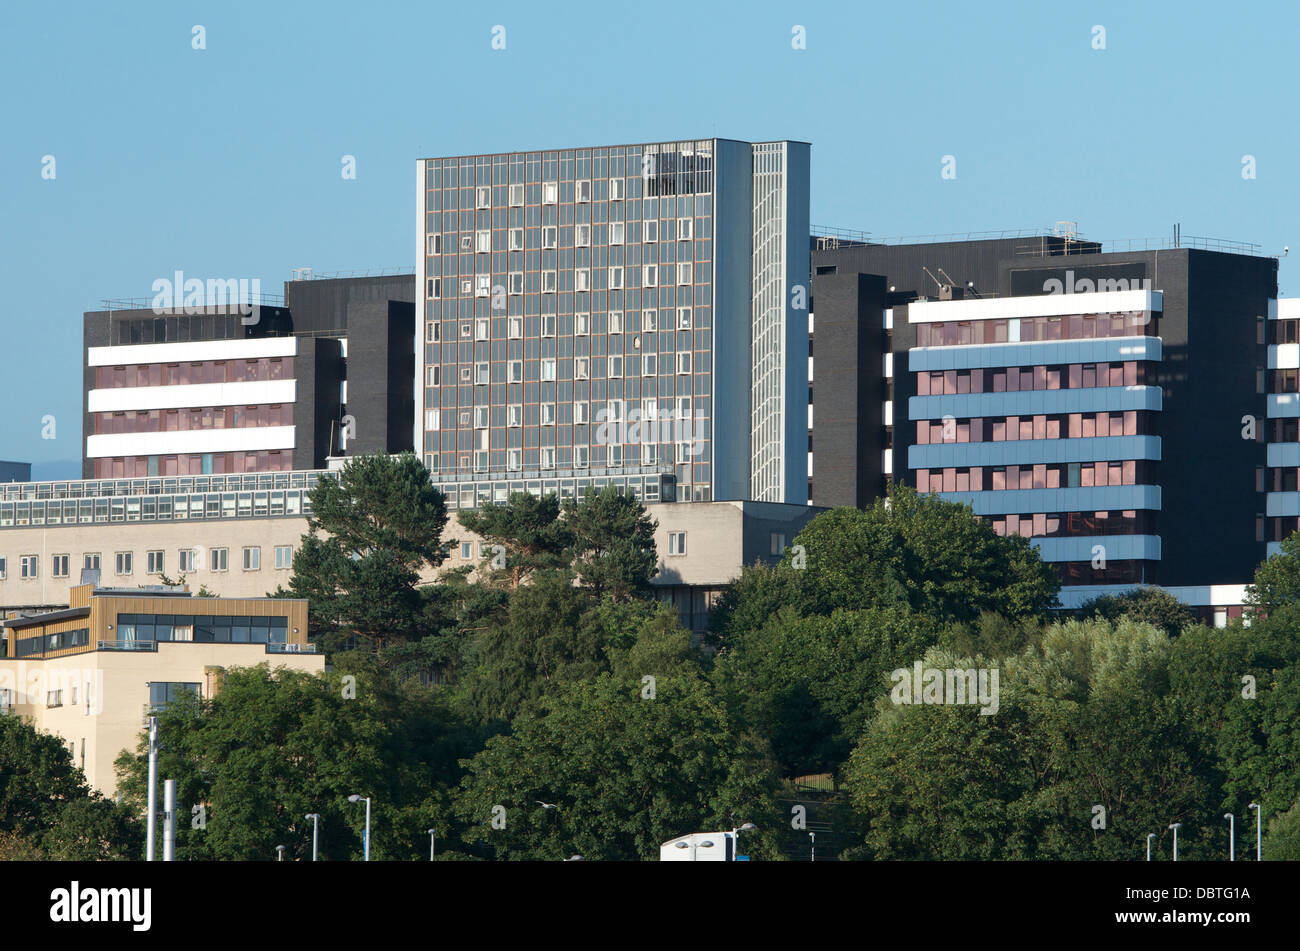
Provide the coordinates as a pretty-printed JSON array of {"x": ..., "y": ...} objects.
[
  {"x": 1068, "y": 475},
  {"x": 150, "y": 508},
  {"x": 206, "y": 371},
  {"x": 641, "y": 267},
  {"x": 202, "y": 629},
  {"x": 1017, "y": 379},
  {"x": 647, "y": 175},
  {"x": 94, "y": 488},
  {"x": 46, "y": 643},
  {"x": 513, "y": 370},
  {"x": 577, "y": 457},
  {"x": 155, "y": 562},
  {"x": 1034, "y": 329},
  {"x": 192, "y": 464},
  {"x": 999, "y": 429},
  {"x": 1075, "y": 524},
  {"x": 480, "y": 240},
  {"x": 1112, "y": 571},
  {"x": 199, "y": 418},
  {"x": 566, "y": 302},
  {"x": 548, "y": 281},
  {"x": 579, "y": 324},
  {"x": 512, "y": 415},
  {"x": 565, "y": 390}
]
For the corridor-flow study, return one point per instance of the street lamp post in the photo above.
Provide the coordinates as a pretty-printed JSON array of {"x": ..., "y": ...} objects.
[
  {"x": 153, "y": 789},
  {"x": 812, "y": 846},
  {"x": 1150, "y": 836},
  {"x": 1232, "y": 837},
  {"x": 359, "y": 798},
  {"x": 433, "y": 838},
  {"x": 1259, "y": 832},
  {"x": 315, "y": 828},
  {"x": 735, "y": 835},
  {"x": 1176, "y": 826},
  {"x": 279, "y": 853}
]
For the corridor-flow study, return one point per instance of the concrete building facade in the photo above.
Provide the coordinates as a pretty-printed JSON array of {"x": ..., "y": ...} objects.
[
  {"x": 634, "y": 313},
  {"x": 236, "y": 535},
  {"x": 1143, "y": 460},
  {"x": 94, "y": 672},
  {"x": 209, "y": 390}
]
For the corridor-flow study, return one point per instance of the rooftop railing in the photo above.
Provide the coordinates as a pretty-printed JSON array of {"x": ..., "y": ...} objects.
[
  {"x": 307, "y": 274},
  {"x": 218, "y": 308},
  {"x": 160, "y": 485},
  {"x": 1046, "y": 243}
]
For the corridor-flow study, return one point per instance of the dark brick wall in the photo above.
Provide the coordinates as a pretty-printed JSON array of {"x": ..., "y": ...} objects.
[
  {"x": 1208, "y": 328},
  {"x": 1208, "y": 375},
  {"x": 317, "y": 411},
  {"x": 381, "y": 371},
  {"x": 848, "y": 373}
]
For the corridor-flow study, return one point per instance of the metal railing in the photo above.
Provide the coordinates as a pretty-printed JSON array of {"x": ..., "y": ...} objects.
[
  {"x": 132, "y": 645},
  {"x": 161, "y": 485},
  {"x": 221, "y": 308},
  {"x": 1184, "y": 241},
  {"x": 866, "y": 238},
  {"x": 358, "y": 272},
  {"x": 292, "y": 649},
  {"x": 1047, "y": 242}
]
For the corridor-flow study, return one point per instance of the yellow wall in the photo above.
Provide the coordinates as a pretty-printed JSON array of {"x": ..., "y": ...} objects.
[{"x": 112, "y": 692}]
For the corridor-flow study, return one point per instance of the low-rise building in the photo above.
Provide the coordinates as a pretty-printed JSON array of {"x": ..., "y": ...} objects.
[{"x": 95, "y": 671}]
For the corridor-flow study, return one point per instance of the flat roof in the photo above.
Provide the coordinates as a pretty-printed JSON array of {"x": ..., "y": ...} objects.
[{"x": 47, "y": 618}]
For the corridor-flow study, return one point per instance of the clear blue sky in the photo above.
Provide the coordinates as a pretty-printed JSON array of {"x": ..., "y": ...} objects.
[{"x": 225, "y": 162}]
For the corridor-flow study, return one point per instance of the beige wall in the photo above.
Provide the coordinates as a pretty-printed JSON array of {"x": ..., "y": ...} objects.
[
  {"x": 721, "y": 537},
  {"x": 112, "y": 691},
  {"x": 139, "y": 538}
]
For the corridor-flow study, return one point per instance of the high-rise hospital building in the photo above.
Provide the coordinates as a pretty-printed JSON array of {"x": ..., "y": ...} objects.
[{"x": 633, "y": 315}]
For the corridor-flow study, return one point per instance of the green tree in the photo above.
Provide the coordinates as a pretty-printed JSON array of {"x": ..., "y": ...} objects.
[
  {"x": 272, "y": 747},
  {"x": 552, "y": 633},
  {"x": 93, "y": 829},
  {"x": 1277, "y": 580},
  {"x": 1083, "y": 724},
  {"x": 546, "y": 637},
  {"x": 918, "y": 552},
  {"x": 807, "y": 683},
  {"x": 626, "y": 772},
  {"x": 530, "y": 530},
  {"x": 1148, "y": 605},
  {"x": 1282, "y": 840},
  {"x": 47, "y": 810},
  {"x": 37, "y": 778},
  {"x": 371, "y": 532},
  {"x": 937, "y": 782},
  {"x": 613, "y": 550}
]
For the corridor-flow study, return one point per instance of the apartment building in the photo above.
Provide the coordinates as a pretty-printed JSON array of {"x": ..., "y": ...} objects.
[
  {"x": 93, "y": 673},
  {"x": 235, "y": 536},
  {"x": 1282, "y": 426},
  {"x": 211, "y": 390},
  {"x": 1112, "y": 406},
  {"x": 633, "y": 313}
]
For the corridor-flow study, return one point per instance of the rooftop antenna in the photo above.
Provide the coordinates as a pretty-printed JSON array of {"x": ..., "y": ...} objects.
[
  {"x": 1069, "y": 230},
  {"x": 937, "y": 283}
]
